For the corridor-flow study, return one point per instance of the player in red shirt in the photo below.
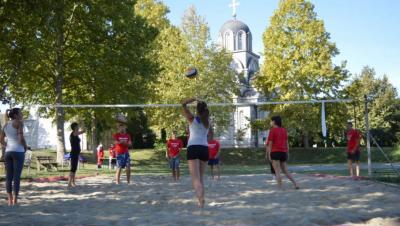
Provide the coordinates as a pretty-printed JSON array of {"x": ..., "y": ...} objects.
[
  {"x": 353, "y": 149},
  {"x": 112, "y": 157},
  {"x": 174, "y": 146},
  {"x": 213, "y": 155},
  {"x": 100, "y": 156},
  {"x": 122, "y": 141},
  {"x": 277, "y": 150}
]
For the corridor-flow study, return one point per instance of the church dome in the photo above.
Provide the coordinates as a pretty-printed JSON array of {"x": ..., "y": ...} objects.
[{"x": 235, "y": 26}]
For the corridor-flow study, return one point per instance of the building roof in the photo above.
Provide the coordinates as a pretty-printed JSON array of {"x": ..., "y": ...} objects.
[{"x": 235, "y": 26}]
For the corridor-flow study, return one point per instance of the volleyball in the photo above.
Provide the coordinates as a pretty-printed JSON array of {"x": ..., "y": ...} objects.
[
  {"x": 121, "y": 118},
  {"x": 191, "y": 72}
]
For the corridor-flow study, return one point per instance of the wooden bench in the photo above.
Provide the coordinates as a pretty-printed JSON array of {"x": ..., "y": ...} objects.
[{"x": 46, "y": 162}]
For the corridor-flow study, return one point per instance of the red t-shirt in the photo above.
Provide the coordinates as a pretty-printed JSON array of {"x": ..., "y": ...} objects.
[
  {"x": 100, "y": 152},
  {"x": 353, "y": 139},
  {"x": 278, "y": 136},
  {"x": 112, "y": 152},
  {"x": 121, "y": 148},
  {"x": 213, "y": 148},
  {"x": 174, "y": 147}
]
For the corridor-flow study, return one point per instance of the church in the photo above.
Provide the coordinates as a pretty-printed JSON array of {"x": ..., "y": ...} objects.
[{"x": 235, "y": 36}]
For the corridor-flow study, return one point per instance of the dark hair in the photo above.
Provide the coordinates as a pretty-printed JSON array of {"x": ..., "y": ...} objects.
[
  {"x": 350, "y": 123},
  {"x": 203, "y": 112},
  {"x": 12, "y": 113},
  {"x": 277, "y": 120},
  {"x": 74, "y": 125}
]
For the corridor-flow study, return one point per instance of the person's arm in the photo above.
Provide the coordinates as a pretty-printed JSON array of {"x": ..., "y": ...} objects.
[
  {"x": 20, "y": 131},
  {"x": 218, "y": 151},
  {"x": 79, "y": 132},
  {"x": 186, "y": 112},
  {"x": 357, "y": 142},
  {"x": 268, "y": 150},
  {"x": 130, "y": 141},
  {"x": 3, "y": 143}
]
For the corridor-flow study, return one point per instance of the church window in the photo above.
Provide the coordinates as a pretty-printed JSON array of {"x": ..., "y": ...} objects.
[
  {"x": 241, "y": 40},
  {"x": 228, "y": 41}
]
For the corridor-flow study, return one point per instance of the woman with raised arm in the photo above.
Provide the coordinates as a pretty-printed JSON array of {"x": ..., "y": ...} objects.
[
  {"x": 14, "y": 152},
  {"x": 75, "y": 152},
  {"x": 197, "y": 147}
]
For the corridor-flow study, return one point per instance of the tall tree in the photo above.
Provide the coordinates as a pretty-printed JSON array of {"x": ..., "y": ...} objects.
[
  {"x": 381, "y": 95},
  {"x": 178, "y": 49},
  {"x": 298, "y": 64},
  {"x": 76, "y": 52}
]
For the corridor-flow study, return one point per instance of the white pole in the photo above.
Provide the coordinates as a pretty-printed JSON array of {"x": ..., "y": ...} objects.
[
  {"x": 368, "y": 137},
  {"x": 323, "y": 123}
]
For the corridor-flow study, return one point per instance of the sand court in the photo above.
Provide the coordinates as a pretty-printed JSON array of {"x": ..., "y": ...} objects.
[{"x": 234, "y": 200}]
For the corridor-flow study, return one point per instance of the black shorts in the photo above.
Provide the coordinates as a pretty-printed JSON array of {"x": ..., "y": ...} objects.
[
  {"x": 279, "y": 156},
  {"x": 355, "y": 156},
  {"x": 74, "y": 162},
  {"x": 197, "y": 152}
]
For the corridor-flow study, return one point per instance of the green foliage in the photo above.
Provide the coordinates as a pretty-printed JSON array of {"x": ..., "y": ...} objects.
[
  {"x": 138, "y": 128},
  {"x": 178, "y": 49},
  {"x": 298, "y": 65},
  {"x": 383, "y": 107},
  {"x": 76, "y": 52},
  {"x": 381, "y": 96}
]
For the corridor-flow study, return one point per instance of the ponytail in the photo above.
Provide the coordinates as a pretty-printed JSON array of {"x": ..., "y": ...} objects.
[
  {"x": 7, "y": 115},
  {"x": 203, "y": 113},
  {"x": 12, "y": 113}
]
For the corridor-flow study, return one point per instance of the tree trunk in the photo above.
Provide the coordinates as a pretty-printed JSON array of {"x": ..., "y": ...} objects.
[
  {"x": 59, "y": 75},
  {"x": 305, "y": 139}
]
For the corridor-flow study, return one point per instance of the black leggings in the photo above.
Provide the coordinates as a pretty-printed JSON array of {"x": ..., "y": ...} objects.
[
  {"x": 14, "y": 163},
  {"x": 74, "y": 162}
]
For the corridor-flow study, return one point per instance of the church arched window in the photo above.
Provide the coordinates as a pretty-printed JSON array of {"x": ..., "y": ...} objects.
[
  {"x": 241, "y": 40},
  {"x": 228, "y": 40}
]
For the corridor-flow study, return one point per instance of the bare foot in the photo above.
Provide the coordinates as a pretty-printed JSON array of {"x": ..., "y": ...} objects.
[
  {"x": 201, "y": 203},
  {"x": 10, "y": 202}
]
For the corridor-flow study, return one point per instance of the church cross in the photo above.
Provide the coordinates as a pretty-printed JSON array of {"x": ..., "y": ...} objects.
[{"x": 234, "y": 6}]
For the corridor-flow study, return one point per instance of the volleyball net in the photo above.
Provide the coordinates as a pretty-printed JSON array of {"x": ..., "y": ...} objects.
[{"x": 376, "y": 162}]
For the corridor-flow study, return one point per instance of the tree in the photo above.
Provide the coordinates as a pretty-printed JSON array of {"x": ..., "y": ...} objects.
[
  {"x": 76, "y": 52},
  {"x": 382, "y": 101},
  {"x": 178, "y": 49},
  {"x": 298, "y": 65}
]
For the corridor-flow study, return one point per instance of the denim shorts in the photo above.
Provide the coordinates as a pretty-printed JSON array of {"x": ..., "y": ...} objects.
[
  {"x": 174, "y": 163},
  {"x": 123, "y": 160},
  {"x": 213, "y": 162}
]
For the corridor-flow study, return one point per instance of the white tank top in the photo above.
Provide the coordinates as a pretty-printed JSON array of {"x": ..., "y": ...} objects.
[
  {"x": 198, "y": 133},
  {"x": 13, "y": 144}
]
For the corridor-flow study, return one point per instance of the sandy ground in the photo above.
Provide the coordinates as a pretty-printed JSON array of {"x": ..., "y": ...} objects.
[{"x": 234, "y": 200}]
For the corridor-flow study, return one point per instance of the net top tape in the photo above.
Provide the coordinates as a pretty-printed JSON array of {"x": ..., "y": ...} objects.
[{"x": 233, "y": 104}]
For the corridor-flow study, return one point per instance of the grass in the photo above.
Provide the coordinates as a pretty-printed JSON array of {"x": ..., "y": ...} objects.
[{"x": 234, "y": 161}]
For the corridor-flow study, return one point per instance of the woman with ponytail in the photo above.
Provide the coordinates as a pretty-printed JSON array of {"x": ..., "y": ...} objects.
[
  {"x": 197, "y": 150},
  {"x": 14, "y": 152}
]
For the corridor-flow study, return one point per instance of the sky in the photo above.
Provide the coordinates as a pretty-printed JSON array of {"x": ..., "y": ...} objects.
[{"x": 366, "y": 32}]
